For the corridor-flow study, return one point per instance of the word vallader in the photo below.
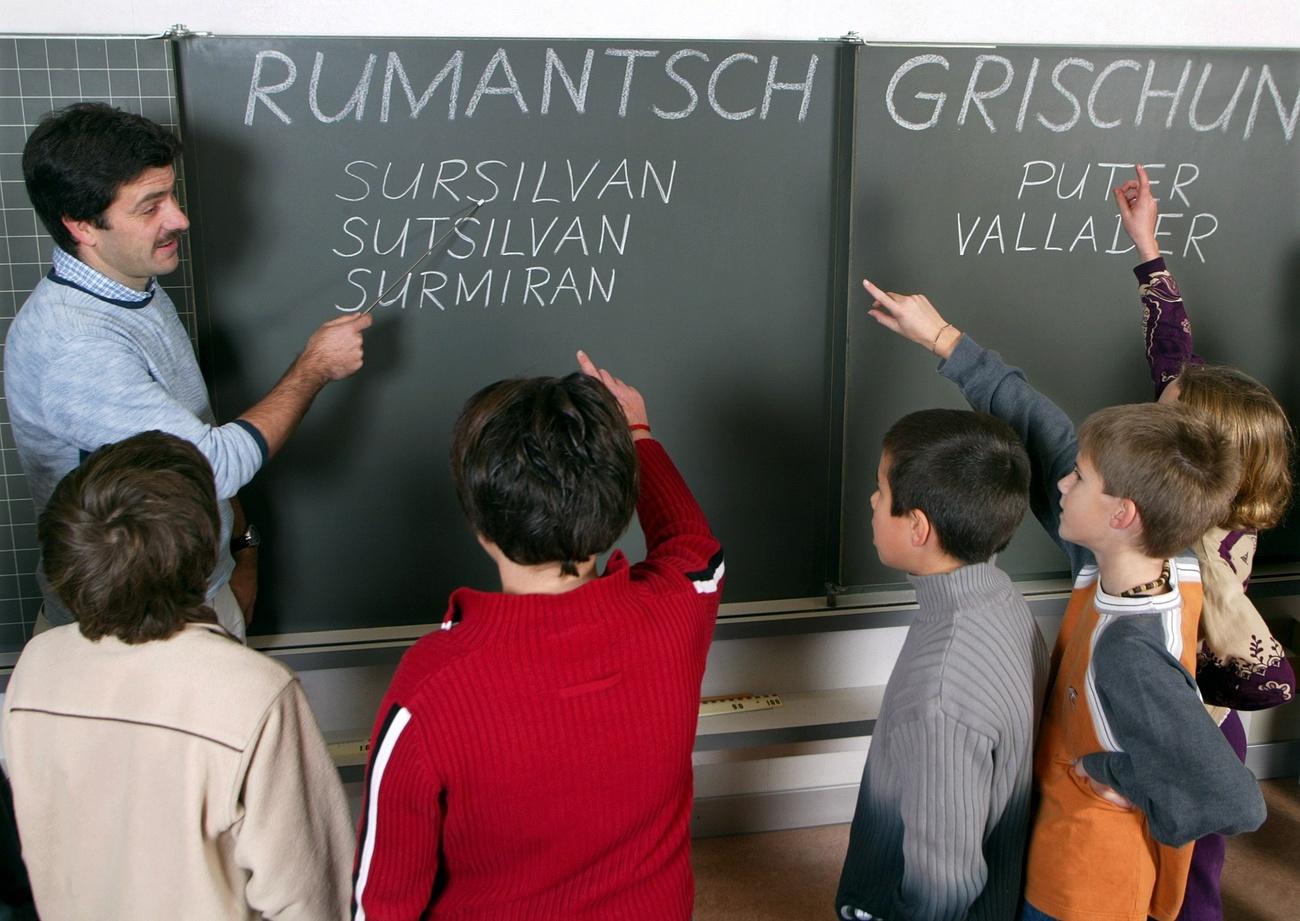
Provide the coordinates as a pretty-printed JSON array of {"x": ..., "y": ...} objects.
[{"x": 1029, "y": 233}]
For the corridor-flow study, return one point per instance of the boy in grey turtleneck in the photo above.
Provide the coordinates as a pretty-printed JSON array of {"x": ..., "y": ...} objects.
[{"x": 943, "y": 812}]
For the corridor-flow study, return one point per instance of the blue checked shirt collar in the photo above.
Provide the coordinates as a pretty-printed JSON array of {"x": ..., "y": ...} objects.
[{"x": 71, "y": 269}]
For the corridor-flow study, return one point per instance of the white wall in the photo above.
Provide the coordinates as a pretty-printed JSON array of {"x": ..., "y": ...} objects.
[{"x": 1222, "y": 23}]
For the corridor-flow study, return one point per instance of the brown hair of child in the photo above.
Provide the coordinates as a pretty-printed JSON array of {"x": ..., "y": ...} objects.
[
  {"x": 1248, "y": 414},
  {"x": 129, "y": 538},
  {"x": 1172, "y": 462}
]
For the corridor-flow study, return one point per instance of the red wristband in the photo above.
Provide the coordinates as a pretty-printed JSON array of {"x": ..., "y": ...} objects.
[{"x": 638, "y": 427}]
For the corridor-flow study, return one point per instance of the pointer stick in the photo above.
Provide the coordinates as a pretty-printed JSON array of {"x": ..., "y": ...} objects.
[{"x": 436, "y": 243}]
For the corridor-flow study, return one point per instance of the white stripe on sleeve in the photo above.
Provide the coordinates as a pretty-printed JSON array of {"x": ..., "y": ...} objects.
[{"x": 383, "y": 754}]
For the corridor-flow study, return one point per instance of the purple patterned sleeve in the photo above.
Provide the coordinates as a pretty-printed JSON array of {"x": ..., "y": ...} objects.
[
  {"x": 1166, "y": 331},
  {"x": 1265, "y": 682},
  {"x": 1255, "y": 673}
]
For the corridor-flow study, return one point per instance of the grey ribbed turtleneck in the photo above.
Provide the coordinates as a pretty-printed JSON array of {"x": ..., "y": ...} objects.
[{"x": 943, "y": 811}]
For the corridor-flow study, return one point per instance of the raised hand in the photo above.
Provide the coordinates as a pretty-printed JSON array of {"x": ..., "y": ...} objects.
[
  {"x": 629, "y": 398},
  {"x": 1139, "y": 212},
  {"x": 913, "y": 317}
]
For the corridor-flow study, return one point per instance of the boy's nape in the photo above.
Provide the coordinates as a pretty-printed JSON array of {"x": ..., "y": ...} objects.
[{"x": 966, "y": 471}]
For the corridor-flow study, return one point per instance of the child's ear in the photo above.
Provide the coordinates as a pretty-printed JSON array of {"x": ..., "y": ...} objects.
[
  {"x": 921, "y": 529},
  {"x": 1125, "y": 516}
]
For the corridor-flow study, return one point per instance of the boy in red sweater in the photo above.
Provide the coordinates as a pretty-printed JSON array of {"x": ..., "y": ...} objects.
[{"x": 532, "y": 760}]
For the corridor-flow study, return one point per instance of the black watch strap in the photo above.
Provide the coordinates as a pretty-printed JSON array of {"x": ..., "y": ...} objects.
[{"x": 250, "y": 538}]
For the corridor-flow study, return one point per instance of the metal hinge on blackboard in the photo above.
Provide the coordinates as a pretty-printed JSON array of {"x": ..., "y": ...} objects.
[{"x": 180, "y": 30}]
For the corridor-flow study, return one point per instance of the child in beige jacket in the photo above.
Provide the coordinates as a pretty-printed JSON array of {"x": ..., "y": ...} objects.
[{"x": 160, "y": 769}]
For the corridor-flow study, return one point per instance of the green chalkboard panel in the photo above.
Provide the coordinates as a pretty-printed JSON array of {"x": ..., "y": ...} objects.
[
  {"x": 983, "y": 177},
  {"x": 668, "y": 206}
]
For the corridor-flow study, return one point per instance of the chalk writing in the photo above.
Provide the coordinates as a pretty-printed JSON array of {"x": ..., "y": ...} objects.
[
  {"x": 523, "y": 257},
  {"x": 492, "y": 180},
  {"x": 1120, "y": 93},
  {"x": 738, "y": 87},
  {"x": 1077, "y": 193}
]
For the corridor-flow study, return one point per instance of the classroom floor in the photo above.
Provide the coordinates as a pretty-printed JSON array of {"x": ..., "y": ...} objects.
[{"x": 791, "y": 875}]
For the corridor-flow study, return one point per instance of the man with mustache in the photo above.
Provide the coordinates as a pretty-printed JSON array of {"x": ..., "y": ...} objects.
[{"x": 97, "y": 352}]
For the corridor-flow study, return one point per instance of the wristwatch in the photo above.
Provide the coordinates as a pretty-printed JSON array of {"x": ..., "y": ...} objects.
[{"x": 250, "y": 538}]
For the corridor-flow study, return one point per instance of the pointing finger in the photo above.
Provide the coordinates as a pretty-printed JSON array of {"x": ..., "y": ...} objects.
[{"x": 882, "y": 298}]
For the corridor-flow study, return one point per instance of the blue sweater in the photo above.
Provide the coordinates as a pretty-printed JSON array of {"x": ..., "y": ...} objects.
[{"x": 82, "y": 372}]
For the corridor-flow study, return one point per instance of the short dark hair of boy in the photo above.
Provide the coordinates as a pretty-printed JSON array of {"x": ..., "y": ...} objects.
[
  {"x": 967, "y": 471},
  {"x": 79, "y": 156},
  {"x": 1171, "y": 461},
  {"x": 545, "y": 469},
  {"x": 129, "y": 538}
]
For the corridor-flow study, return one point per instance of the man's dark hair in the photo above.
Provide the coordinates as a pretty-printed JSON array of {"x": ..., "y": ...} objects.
[
  {"x": 79, "y": 156},
  {"x": 967, "y": 471},
  {"x": 545, "y": 468},
  {"x": 129, "y": 538}
]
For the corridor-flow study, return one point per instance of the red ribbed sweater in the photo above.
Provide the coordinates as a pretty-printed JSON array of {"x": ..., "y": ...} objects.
[{"x": 534, "y": 761}]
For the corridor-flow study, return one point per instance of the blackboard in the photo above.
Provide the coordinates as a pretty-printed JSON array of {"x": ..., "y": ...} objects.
[
  {"x": 982, "y": 179},
  {"x": 669, "y": 206},
  {"x": 729, "y": 196},
  {"x": 37, "y": 75}
]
